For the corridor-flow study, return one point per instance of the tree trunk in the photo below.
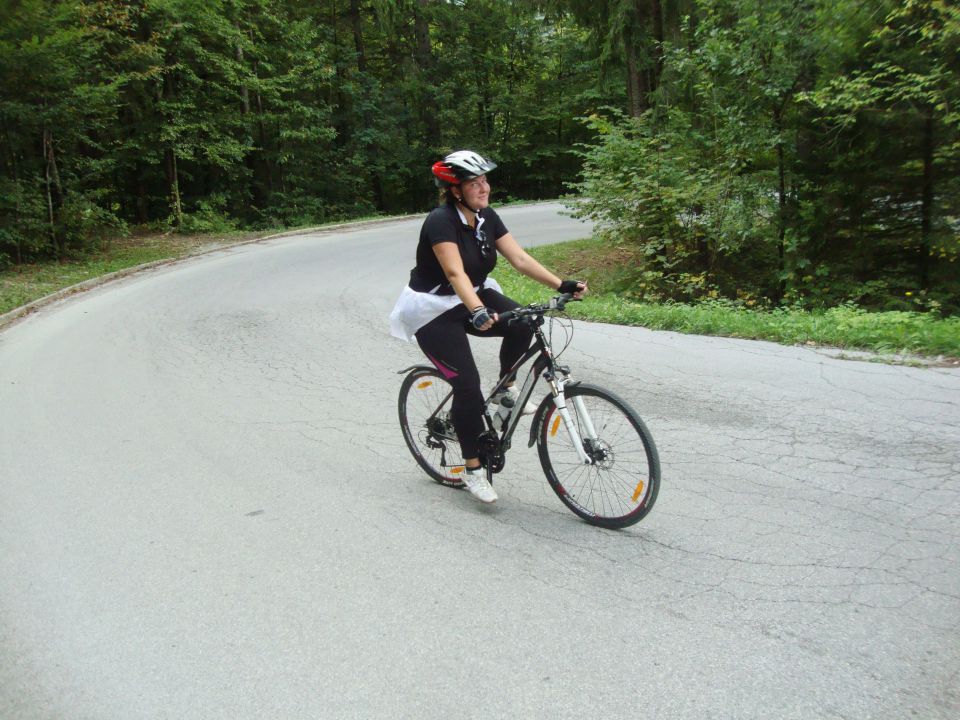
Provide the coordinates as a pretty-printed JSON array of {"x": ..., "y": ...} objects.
[
  {"x": 635, "y": 99},
  {"x": 357, "y": 26},
  {"x": 781, "y": 286},
  {"x": 262, "y": 132},
  {"x": 422, "y": 31},
  {"x": 254, "y": 159},
  {"x": 639, "y": 79},
  {"x": 16, "y": 210},
  {"x": 484, "y": 103},
  {"x": 173, "y": 182},
  {"x": 142, "y": 203},
  {"x": 337, "y": 98},
  {"x": 428, "y": 102},
  {"x": 165, "y": 92},
  {"x": 52, "y": 176},
  {"x": 356, "y": 22},
  {"x": 11, "y": 162},
  {"x": 244, "y": 90},
  {"x": 53, "y": 228},
  {"x": 926, "y": 207},
  {"x": 656, "y": 13}
]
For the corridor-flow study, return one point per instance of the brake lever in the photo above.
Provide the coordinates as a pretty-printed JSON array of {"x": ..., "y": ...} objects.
[{"x": 558, "y": 302}]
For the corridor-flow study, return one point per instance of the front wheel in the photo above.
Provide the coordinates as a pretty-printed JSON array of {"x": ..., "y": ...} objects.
[
  {"x": 620, "y": 485},
  {"x": 424, "y": 406}
]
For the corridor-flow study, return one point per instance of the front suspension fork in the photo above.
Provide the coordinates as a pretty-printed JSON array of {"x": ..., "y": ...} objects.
[{"x": 559, "y": 399}]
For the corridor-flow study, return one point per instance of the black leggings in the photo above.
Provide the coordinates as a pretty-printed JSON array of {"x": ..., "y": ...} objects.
[{"x": 444, "y": 341}]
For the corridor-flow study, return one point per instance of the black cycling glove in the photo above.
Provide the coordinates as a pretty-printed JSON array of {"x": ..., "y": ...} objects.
[
  {"x": 569, "y": 287},
  {"x": 480, "y": 317}
]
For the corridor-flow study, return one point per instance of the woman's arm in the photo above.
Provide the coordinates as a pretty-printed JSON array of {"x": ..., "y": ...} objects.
[{"x": 523, "y": 263}]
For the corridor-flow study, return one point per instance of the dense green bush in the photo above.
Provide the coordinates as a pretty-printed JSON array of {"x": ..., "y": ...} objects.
[
  {"x": 209, "y": 217},
  {"x": 790, "y": 161}
]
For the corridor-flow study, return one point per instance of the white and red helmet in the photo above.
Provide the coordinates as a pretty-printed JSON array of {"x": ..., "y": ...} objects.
[{"x": 461, "y": 165}]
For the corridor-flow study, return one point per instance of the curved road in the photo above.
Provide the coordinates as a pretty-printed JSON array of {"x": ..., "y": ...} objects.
[{"x": 207, "y": 511}]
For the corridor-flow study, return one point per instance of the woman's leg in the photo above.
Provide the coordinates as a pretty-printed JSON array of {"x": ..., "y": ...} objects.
[
  {"x": 516, "y": 337},
  {"x": 444, "y": 341}
]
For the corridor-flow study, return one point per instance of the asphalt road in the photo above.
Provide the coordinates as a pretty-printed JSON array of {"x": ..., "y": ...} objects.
[{"x": 207, "y": 511}]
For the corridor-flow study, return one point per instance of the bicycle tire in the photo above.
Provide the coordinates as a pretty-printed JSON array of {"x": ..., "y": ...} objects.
[
  {"x": 622, "y": 486},
  {"x": 427, "y": 432}
]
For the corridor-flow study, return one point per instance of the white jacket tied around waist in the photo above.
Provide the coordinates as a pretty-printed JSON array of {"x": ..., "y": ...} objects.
[{"x": 415, "y": 309}]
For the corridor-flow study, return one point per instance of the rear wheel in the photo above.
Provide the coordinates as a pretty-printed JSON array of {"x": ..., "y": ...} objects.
[
  {"x": 424, "y": 406},
  {"x": 620, "y": 485}
]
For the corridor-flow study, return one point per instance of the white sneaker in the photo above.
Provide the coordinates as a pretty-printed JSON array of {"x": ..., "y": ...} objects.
[
  {"x": 528, "y": 409},
  {"x": 476, "y": 483}
]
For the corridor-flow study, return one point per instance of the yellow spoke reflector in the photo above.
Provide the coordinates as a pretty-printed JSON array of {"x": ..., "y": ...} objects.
[
  {"x": 456, "y": 470},
  {"x": 638, "y": 491},
  {"x": 556, "y": 426},
  {"x": 424, "y": 385}
]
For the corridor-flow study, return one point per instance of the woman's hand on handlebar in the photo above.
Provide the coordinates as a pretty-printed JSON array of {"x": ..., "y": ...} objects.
[
  {"x": 482, "y": 318},
  {"x": 577, "y": 288}
]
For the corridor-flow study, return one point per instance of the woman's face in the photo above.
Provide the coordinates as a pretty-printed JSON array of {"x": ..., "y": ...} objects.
[{"x": 476, "y": 192}]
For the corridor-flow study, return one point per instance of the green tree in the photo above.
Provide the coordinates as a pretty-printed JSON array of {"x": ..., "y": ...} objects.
[
  {"x": 53, "y": 104},
  {"x": 713, "y": 173},
  {"x": 902, "y": 96},
  {"x": 628, "y": 39}
]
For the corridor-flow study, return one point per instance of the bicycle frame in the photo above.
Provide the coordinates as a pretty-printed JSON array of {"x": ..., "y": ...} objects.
[{"x": 557, "y": 377}]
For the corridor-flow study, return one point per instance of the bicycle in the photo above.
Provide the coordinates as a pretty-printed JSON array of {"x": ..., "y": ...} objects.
[{"x": 596, "y": 452}]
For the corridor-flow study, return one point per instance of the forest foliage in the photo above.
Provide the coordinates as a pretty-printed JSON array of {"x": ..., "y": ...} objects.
[{"x": 784, "y": 152}]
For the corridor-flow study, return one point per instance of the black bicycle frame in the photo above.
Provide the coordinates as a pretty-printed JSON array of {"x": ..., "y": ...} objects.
[{"x": 544, "y": 365}]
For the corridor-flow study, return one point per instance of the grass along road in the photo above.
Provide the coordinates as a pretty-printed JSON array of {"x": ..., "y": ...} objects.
[
  {"x": 890, "y": 334},
  {"x": 22, "y": 285}
]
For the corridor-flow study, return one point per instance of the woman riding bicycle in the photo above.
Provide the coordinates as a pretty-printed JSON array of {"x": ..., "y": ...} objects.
[{"x": 450, "y": 296}]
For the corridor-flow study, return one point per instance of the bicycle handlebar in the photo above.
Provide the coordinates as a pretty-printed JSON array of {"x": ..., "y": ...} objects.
[{"x": 536, "y": 309}]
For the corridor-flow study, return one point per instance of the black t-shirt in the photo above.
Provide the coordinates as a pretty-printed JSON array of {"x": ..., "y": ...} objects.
[{"x": 443, "y": 224}]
